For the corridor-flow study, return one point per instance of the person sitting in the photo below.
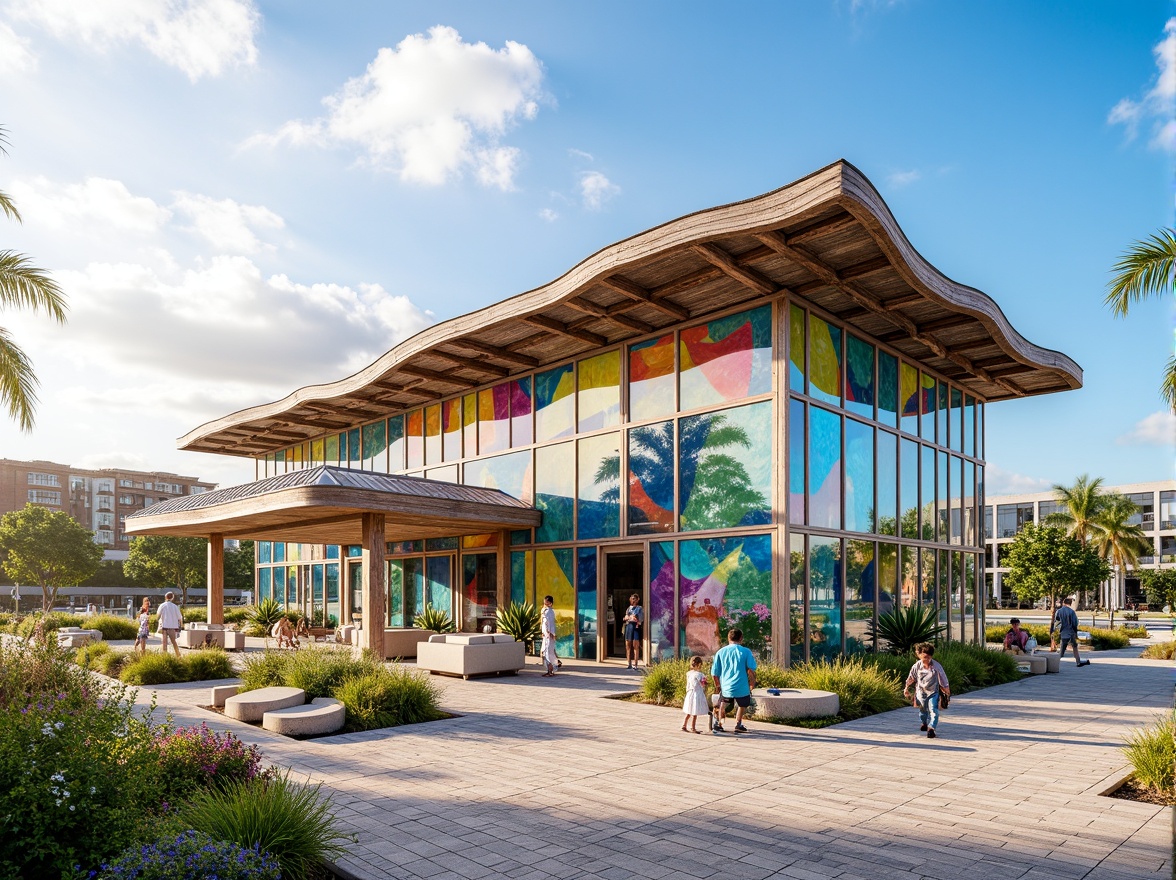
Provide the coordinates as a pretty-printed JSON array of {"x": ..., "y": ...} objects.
[
  {"x": 284, "y": 632},
  {"x": 1016, "y": 639},
  {"x": 302, "y": 630}
]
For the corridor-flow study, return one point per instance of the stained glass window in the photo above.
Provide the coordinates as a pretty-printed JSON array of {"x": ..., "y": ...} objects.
[
  {"x": 494, "y": 419},
  {"x": 651, "y": 378},
  {"x": 555, "y": 404},
  {"x": 726, "y": 359},
  {"x": 887, "y": 389},
  {"x": 725, "y": 468},
  {"x": 662, "y": 635},
  {"x": 860, "y": 579},
  {"x": 280, "y": 584},
  {"x": 825, "y": 584},
  {"x": 725, "y": 583},
  {"x": 555, "y": 491},
  {"x": 824, "y": 361},
  {"x": 522, "y": 576},
  {"x": 331, "y": 449},
  {"x": 396, "y": 444},
  {"x": 859, "y": 377},
  {"x": 414, "y": 436},
  {"x": 475, "y": 542},
  {"x": 433, "y": 434},
  {"x": 451, "y": 429},
  {"x": 586, "y": 602},
  {"x": 479, "y": 591},
  {"x": 908, "y": 395},
  {"x": 599, "y": 486},
  {"x": 796, "y": 446},
  {"x": 796, "y": 349},
  {"x": 824, "y": 461},
  {"x": 928, "y": 402},
  {"x": 521, "y": 430},
  {"x": 395, "y": 597},
  {"x": 797, "y": 588},
  {"x": 554, "y": 576},
  {"x": 316, "y": 452},
  {"x": 511, "y": 473},
  {"x": 859, "y": 477},
  {"x": 651, "y": 479},
  {"x": 887, "y": 483},
  {"x": 264, "y": 583},
  {"x": 469, "y": 424},
  {"x": 375, "y": 447},
  {"x": 439, "y": 582},
  {"x": 599, "y": 384}
]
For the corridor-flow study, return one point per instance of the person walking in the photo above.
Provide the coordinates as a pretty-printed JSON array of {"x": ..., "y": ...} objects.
[
  {"x": 144, "y": 628},
  {"x": 929, "y": 680},
  {"x": 634, "y": 617},
  {"x": 171, "y": 621},
  {"x": 1067, "y": 622},
  {"x": 695, "y": 703},
  {"x": 733, "y": 670},
  {"x": 547, "y": 624}
]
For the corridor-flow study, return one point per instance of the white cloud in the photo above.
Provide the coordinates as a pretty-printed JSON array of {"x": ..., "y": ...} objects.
[
  {"x": 199, "y": 37},
  {"x": 15, "y": 54},
  {"x": 430, "y": 109},
  {"x": 1156, "y": 105},
  {"x": 549, "y": 215},
  {"x": 98, "y": 204},
  {"x": 580, "y": 154},
  {"x": 899, "y": 179},
  {"x": 596, "y": 189},
  {"x": 1157, "y": 429},
  {"x": 225, "y": 224},
  {"x": 1002, "y": 482}
]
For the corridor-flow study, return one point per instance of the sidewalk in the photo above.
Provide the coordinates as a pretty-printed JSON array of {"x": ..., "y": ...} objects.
[{"x": 543, "y": 778}]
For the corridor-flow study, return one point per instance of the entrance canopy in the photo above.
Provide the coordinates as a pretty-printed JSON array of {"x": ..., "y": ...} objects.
[{"x": 325, "y": 505}]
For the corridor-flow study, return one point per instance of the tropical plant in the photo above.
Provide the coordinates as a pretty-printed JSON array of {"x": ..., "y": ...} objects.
[
  {"x": 264, "y": 615},
  {"x": 434, "y": 619},
  {"x": 521, "y": 620},
  {"x": 22, "y": 285},
  {"x": 1046, "y": 563},
  {"x": 389, "y": 697},
  {"x": 900, "y": 629},
  {"x": 292, "y": 822},
  {"x": 1147, "y": 269},
  {"x": 48, "y": 548},
  {"x": 190, "y": 856},
  {"x": 1119, "y": 541},
  {"x": 1152, "y": 754},
  {"x": 1081, "y": 505}
]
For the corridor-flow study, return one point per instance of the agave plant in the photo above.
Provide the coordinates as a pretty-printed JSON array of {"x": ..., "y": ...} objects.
[
  {"x": 434, "y": 619},
  {"x": 903, "y": 628},
  {"x": 264, "y": 615},
  {"x": 521, "y": 620}
]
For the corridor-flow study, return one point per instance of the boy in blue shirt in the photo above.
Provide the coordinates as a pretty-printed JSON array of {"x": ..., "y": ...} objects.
[{"x": 733, "y": 670}]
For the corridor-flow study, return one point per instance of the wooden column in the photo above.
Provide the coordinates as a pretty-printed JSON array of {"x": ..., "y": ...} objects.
[
  {"x": 374, "y": 587},
  {"x": 216, "y": 578},
  {"x": 503, "y": 569}
]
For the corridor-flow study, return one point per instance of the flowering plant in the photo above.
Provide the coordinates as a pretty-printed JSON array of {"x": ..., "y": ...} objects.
[
  {"x": 190, "y": 856},
  {"x": 755, "y": 624},
  {"x": 196, "y": 757}
]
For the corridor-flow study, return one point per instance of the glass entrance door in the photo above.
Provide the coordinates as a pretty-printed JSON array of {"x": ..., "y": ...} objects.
[
  {"x": 623, "y": 578},
  {"x": 479, "y": 593}
]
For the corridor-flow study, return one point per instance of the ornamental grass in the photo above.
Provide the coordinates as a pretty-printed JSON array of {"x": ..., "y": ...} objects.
[
  {"x": 1160, "y": 651},
  {"x": 1151, "y": 752},
  {"x": 387, "y": 697}
]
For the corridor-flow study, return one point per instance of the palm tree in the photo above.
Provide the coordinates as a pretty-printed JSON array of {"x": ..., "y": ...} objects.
[
  {"x": 1119, "y": 541},
  {"x": 22, "y": 285},
  {"x": 1081, "y": 505},
  {"x": 1147, "y": 269}
]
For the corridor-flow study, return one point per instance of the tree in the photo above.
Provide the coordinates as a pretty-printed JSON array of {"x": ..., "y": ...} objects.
[
  {"x": 1147, "y": 269},
  {"x": 160, "y": 561},
  {"x": 1160, "y": 587},
  {"x": 48, "y": 548},
  {"x": 22, "y": 285},
  {"x": 1081, "y": 505},
  {"x": 239, "y": 567},
  {"x": 1046, "y": 563},
  {"x": 1118, "y": 541}
]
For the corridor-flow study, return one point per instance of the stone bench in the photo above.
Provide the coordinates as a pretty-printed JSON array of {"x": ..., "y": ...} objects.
[
  {"x": 252, "y": 705},
  {"x": 205, "y": 636},
  {"x": 1031, "y": 664},
  {"x": 401, "y": 642},
  {"x": 1053, "y": 660},
  {"x": 467, "y": 654},
  {"x": 321, "y": 715},
  {"x": 795, "y": 703},
  {"x": 221, "y": 692},
  {"x": 77, "y": 637}
]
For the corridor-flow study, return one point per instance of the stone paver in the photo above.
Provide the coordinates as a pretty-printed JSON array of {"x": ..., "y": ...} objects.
[{"x": 543, "y": 779}]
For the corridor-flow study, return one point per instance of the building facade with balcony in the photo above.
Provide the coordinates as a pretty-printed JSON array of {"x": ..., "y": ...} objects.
[{"x": 1006, "y": 515}]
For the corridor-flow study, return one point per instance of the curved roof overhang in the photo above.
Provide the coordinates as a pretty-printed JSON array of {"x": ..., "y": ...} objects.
[
  {"x": 325, "y": 505},
  {"x": 828, "y": 238}
]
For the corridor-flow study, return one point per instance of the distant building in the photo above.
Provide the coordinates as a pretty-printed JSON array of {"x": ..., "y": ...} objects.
[
  {"x": 1006, "y": 515},
  {"x": 98, "y": 499}
]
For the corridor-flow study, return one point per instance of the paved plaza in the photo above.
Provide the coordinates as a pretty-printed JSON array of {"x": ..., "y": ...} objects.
[{"x": 546, "y": 778}]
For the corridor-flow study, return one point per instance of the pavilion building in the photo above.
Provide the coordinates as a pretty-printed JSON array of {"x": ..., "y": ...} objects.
[{"x": 768, "y": 414}]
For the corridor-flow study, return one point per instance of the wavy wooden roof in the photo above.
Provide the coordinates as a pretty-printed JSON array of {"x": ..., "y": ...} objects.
[{"x": 828, "y": 238}]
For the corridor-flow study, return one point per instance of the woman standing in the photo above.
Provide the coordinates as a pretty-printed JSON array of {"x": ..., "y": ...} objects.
[
  {"x": 634, "y": 617},
  {"x": 929, "y": 680}
]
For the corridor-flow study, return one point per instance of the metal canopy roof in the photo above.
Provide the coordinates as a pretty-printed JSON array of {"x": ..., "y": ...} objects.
[
  {"x": 323, "y": 505},
  {"x": 828, "y": 238}
]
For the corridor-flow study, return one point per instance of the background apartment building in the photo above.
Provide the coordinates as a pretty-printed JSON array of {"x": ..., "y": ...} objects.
[
  {"x": 98, "y": 499},
  {"x": 1006, "y": 515}
]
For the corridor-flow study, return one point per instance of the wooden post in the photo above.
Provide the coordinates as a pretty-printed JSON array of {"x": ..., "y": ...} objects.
[
  {"x": 503, "y": 569},
  {"x": 372, "y": 634},
  {"x": 216, "y": 578}
]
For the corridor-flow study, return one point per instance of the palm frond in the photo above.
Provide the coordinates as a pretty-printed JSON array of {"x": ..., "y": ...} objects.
[
  {"x": 24, "y": 285},
  {"x": 18, "y": 382},
  {"x": 1148, "y": 268},
  {"x": 1168, "y": 386},
  {"x": 8, "y": 207}
]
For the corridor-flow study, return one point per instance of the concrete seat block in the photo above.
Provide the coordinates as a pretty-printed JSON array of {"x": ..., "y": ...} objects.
[
  {"x": 321, "y": 715},
  {"x": 441, "y": 656},
  {"x": 796, "y": 703},
  {"x": 1032, "y": 664},
  {"x": 402, "y": 641},
  {"x": 1053, "y": 660},
  {"x": 252, "y": 705},
  {"x": 222, "y": 692}
]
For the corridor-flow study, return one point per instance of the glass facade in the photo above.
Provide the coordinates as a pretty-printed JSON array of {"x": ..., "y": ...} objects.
[{"x": 707, "y": 451}]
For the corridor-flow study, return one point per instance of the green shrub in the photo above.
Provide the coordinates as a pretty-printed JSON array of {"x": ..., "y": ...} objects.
[
  {"x": 190, "y": 855},
  {"x": 965, "y": 671},
  {"x": 770, "y": 675},
  {"x": 1108, "y": 639},
  {"x": 521, "y": 620},
  {"x": 113, "y": 628},
  {"x": 664, "y": 683},
  {"x": 112, "y": 663},
  {"x": 862, "y": 689},
  {"x": 192, "y": 758},
  {"x": 1160, "y": 651},
  {"x": 194, "y": 613},
  {"x": 996, "y": 632},
  {"x": 320, "y": 672},
  {"x": 1152, "y": 754},
  {"x": 208, "y": 664},
  {"x": 6, "y": 621},
  {"x": 388, "y": 698},
  {"x": 154, "y": 669},
  {"x": 53, "y": 620},
  {"x": 267, "y": 669},
  {"x": 898, "y": 665},
  {"x": 237, "y": 615},
  {"x": 903, "y": 628},
  {"x": 1134, "y": 632},
  {"x": 292, "y": 822},
  {"x": 89, "y": 655},
  {"x": 434, "y": 619}
]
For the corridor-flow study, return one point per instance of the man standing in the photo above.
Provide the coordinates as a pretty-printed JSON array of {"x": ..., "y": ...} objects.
[
  {"x": 1067, "y": 622},
  {"x": 170, "y": 623},
  {"x": 547, "y": 622},
  {"x": 733, "y": 670}
]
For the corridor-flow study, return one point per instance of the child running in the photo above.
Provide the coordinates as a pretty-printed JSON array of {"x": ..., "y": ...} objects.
[
  {"x": 928, "y": 679},
  {"x": 695, "y": 702}
]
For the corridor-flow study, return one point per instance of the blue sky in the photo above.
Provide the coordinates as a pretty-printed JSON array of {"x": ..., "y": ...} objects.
[{"x": 242, "y": 197}]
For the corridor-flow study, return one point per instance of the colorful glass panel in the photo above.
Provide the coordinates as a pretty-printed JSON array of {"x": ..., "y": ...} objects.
[
  {"x": 331, "y": 449},
  {"x": 859, "y": 377},
  {"x": 511, "y": 473},
  {"x": 316, "y": 452},
  {"x": 522, "y": 576},
  {"x": 479, "y": 591},
  {"x": 586, "y": 602},
  {"x": 474, "y": 542},
  {"x": 414, "y": 436},
  {"x": 725, "y": 468},
  {"x": 375, "y": 447},
  {"x": 555, "y": 492},
  {"x": 264, "y": 583},
  {"x": 522, "y": 431},
  {"x": 662, "y": 635},
  {"x": 887, "y": 389},
  {"x": 860, "y": 571},
  {"x": 859, "y": 476},
  {"x": 469, "y": 424},
  {"x": 725, "y": 583},
  {"x": 726, "y": 359},
  {"x": 824, "y": 460},
  {"x": 825, "y": 584},
  {"x": 651, "y": 479},
  {"x": 264, "y": 551},
  {"x": 824, "y": 361},
  {"x": 797, "y": 588},
  {"x": 494, "y": 419},
  {"x": 433, "y": 544},
  {"x": 599, "y": 391},
  {"x": 796, "y": 447},
  {"x": 433, "y": 434},
  {"x": 555, "y": 403},
  {"x": 598, "y": 497},
  {"x": 887, "y": 579},
  {"x": 395, "y": 574},
  {"x": 554, "y": 577},
  {"x": 796, "y": 373},
  {"x": 280, "y": 584},
  {"x": 400, "y": 548},
  {"x": 887, "y": 483},
  {"x": 451, "y": 430},
  {"x": 651, "y": 378},
  {"x": 908, "y": 582},
  {"x": 415, "y": 596},
  {"x": 439, "y": 574},
  {"x": 908, "y": 395}
]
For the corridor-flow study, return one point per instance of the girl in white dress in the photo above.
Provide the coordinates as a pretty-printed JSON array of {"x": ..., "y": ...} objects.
[{"x": 695, "y": 702}]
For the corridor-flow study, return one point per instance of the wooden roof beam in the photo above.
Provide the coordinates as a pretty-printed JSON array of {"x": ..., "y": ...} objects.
[
  {"x": 437, "y": 376},
  {"x": 469, "y": 363},
  {"x": 582, "y": 305},
  {"x": 727, "y": 264},
  {"x": 504, "y": 354},
  {"x": 562, "y": 329},
  {"x": 637, "y": 293}
]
